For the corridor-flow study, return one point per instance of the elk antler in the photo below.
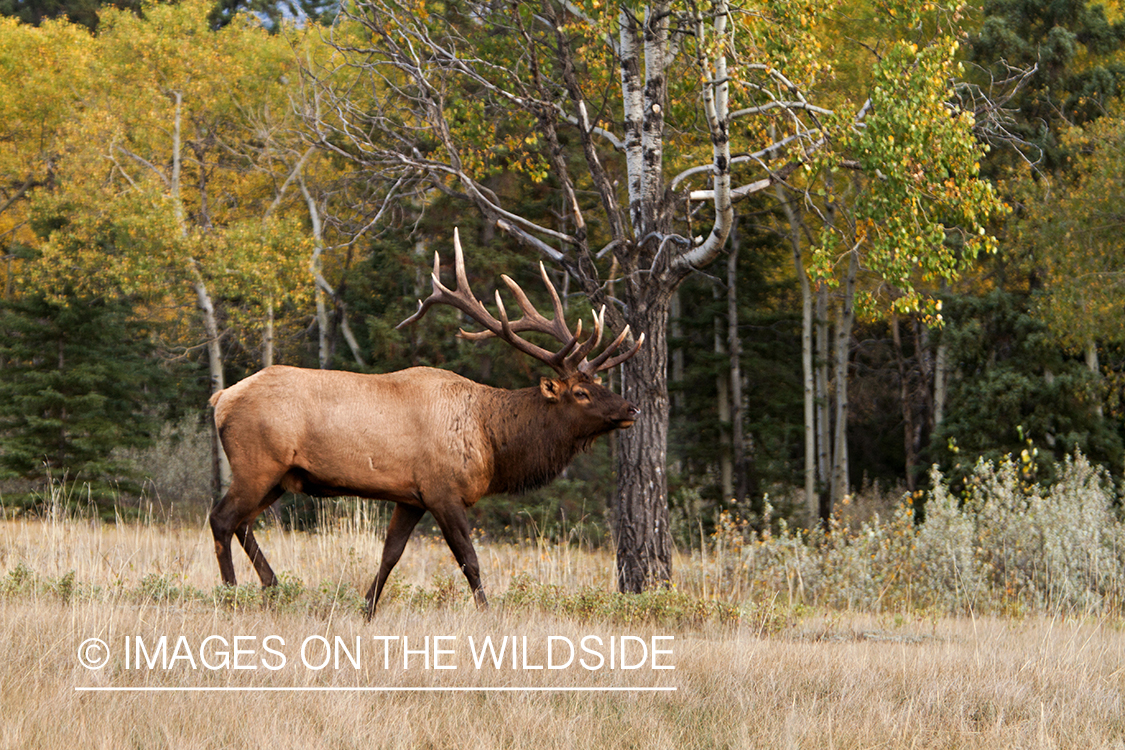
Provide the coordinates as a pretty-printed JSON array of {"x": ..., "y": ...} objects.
[{"x": 568, "y": 360}]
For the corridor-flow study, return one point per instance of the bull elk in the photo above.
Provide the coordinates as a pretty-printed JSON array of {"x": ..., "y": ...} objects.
[{"x": 422, "y": 438}]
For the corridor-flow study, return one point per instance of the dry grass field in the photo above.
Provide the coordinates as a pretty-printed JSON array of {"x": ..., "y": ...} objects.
[{"x": 811, "y": 679}]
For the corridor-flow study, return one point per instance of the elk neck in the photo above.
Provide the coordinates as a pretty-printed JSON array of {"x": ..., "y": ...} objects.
[{"x": 533, "y": 441}]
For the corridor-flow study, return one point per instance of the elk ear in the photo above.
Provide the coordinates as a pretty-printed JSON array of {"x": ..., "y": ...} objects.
[{"x": 551, "y": 389}]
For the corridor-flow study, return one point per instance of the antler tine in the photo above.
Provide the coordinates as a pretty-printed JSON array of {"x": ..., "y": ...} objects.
[
  {"x": 600, "y": 363},
  {"x": 509, "y": 330},
  {"x": 430, "y": 301},
  {"x": 556, "y": 303},
  {"x": 464, "y": 300},
  {"x": 533, "y": 320},
  {"x": 459, "y": 264},
  {"x": 623, "y": 356},
  {"x": 591, "y": 343}
]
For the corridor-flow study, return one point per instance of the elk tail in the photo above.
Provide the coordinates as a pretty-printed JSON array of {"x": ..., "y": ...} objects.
[{"x": 217, "y": 395}]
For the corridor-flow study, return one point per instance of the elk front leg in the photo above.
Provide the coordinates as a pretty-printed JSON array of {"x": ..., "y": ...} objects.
[
  {"x": 403, "y": 520},
  {"x": 454, "y": 524}
]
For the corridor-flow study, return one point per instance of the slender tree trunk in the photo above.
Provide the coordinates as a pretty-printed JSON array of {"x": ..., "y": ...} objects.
[
  {"x": 678, "y": 352},
  {"x": 723, "y": 401},
  {"x": 734, "y": 346},
  {"x": 808, "y": 377},
  {"x": 644, "y": 544},
  {"x": 941, "y": 376},
  {"x": 60, "y": 452},
  {"x": 220, "y": 466},
  {"x": 925, "y": 425},
  {"x": 823, "y": 411},
  {"x": 841, "y": 482},
  {"x": 350, "y": 339},
  {"x": 907, "y": 405},
  {"x": 267, "y": 338},
  {"x": 1094, "y": 367},
  {"x": 323, "y": 324}
]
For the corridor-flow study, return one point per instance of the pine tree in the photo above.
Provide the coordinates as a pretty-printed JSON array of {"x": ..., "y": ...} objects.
[
  {"x": 77, "y": 379},
  {"x": 1073, "y": 54},
  {"x": 1016, "y": 391}
]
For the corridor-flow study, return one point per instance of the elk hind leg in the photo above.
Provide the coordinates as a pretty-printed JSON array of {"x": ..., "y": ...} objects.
[
  {"x": 403, "y": 520},
  {"x": 454, "y": 524},
  {"x": 245, "y": 533},
  {"x": 239, "y": 506}
]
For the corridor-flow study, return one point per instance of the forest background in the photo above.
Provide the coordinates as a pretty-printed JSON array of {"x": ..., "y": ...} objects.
[{"x": 174, "y": 217}]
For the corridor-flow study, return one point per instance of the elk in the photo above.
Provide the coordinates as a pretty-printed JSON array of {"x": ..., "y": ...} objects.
[{"x": 422, "y": 438}]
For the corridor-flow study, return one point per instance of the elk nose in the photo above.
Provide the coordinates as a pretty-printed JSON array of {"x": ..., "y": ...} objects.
[{"x": 633, "y": 411}]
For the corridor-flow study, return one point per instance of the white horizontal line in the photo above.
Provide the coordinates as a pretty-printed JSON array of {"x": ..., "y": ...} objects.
[{"x": 370, "y": 689}]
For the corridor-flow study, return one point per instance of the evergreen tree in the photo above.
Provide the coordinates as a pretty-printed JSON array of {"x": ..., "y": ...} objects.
[
  {"x": 77, "y": 380},
  {"x": 86, "y": 12},
  {"x": 1015, "y": 390},
  {"x": 82, "y": 12},
  {"x": 1073, "y": 50}
]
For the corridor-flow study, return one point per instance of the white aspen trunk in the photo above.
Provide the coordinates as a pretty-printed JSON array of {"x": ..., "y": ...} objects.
[
  {"x": 812, "y": 501},
  {"x": 322, "y": 324},
  {"x": 722, "y": 387},
  {"x": 177, "y": 202},
  {"x": 221, "y": 465},
  {"x": 1094, "y": 367},
  {"x": 734, "y": 346},
  {"x": 324, "y": 288},
  {"x": 633, "y": 104},
  {"x": 221, "y": 475},
  {"x": 656, "y": 58},
  {"x": 823, "y": 404},
  {"x": 350, "y": 340},
  {"x": 846, "y": 310},
  {"x": 717, "y": 110},
  {"x": 267, "y": 338},
  {"x": 941, "y": 378},
  {"x": 321, "y": 329}
]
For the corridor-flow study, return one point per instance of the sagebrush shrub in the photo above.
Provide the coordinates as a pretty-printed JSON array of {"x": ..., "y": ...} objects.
[{"x": 1004, "y": 545}]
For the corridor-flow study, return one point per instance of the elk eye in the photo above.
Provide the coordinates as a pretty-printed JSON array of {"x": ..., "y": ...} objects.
[{"x": 582, "y": 395}]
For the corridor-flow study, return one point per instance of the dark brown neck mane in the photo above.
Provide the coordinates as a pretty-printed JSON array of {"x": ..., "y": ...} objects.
[{"x": 533, "y": 440}]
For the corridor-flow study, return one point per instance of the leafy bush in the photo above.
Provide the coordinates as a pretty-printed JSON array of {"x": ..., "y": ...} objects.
[{"x": 1002, "y": 546}]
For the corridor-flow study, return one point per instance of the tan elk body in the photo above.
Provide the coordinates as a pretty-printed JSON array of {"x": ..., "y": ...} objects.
[{"x": 422, "y": 438}]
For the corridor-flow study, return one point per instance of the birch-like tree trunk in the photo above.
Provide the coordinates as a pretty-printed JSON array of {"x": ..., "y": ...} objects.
[
  {"x": 908, "y": 426},
  {"x": 267, "y": 338},
  {"x": 1093, "y": 366},
  {"x": 324, "y": 292},
  {"x": 734, "y": 347},
  {"x": 221, "y": 474},
  {"x": 841, "y": 481},
  {"x": 723, "y": 398},
  {"x": 808, "y": 376},
  {"x": 941, "y": 379},
  {"x": 824, "y": 433}
]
